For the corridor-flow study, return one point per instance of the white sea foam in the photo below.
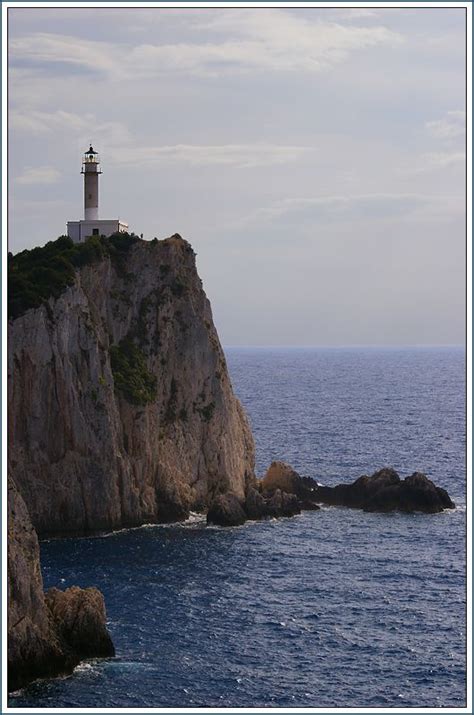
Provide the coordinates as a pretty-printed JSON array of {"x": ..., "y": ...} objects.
[{"x": 84, "y": 667}]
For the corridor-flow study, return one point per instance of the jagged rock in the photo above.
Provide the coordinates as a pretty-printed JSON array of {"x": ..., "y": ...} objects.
[
  {"x": 282, "y": 476},
  {"x": 255, "y": 505},
  {"x": 270, "y": 504},
  {"x": 36, "y": 647},
  {"x": 226, "y": 510},
  {"x": 385, "y": 491},
  {"x": 121, "y": 407},
  {"x": 282, "y": 504},
  {"x": 79, "y": 617},
  {"x": 306, "y": 505}
]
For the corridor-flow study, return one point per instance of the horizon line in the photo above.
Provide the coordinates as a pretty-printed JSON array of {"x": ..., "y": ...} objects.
[{"x": 354, "y": 346}]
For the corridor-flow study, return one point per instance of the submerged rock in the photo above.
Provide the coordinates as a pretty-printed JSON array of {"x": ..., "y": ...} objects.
[
  {"x": 385, "y": 491},
  {"x": 40, "y": 643}
]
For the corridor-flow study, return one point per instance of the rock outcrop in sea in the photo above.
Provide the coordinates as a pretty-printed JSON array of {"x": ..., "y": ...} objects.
[
  {"x": 283, "y": 492},
  {"x": 121, "y": 407},
  {"x": 47, "y": 635},
  {"x": 385, "y": 491}
]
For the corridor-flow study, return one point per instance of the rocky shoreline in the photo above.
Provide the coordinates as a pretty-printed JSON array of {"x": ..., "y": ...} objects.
[
  {"x": 283, "y": 492},
  {"x": 50, "y": 633},
  {"x": 121, "y": 413}
]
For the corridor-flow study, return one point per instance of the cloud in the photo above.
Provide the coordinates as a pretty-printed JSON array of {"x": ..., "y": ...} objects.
[
  {"x": 43, "y": 47},
  {"x": 37, "y": 122},
  {"x": 274, "y": 40},
  {"x": 85, "y": 127},
  {"x": 39, "y": 175},
  {"x": 116, "y": 140},
  {"x": 241, "y": 156},
  {"x": 351, "y": 207},
  {"x": 449, "y": 127},
  {"x": 355, "y": 13},
  {"x": 440, "y": 160}
]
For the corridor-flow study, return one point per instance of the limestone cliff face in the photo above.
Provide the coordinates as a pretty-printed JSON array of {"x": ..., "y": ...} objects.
[
  {"x": 41, "y": 640},
  {"x": 120, "y": 405}
]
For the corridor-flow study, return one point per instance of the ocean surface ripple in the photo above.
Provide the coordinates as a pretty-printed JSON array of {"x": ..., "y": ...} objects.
[{"x": 336, "y": 608}]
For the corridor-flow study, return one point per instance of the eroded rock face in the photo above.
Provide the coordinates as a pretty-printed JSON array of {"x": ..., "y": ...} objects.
[
  {"x": 385, "y": 491},
  {"x": 37, "y": 647},
  {"x": 79, "y": 619},
  {"x": 90, "y": 446}
]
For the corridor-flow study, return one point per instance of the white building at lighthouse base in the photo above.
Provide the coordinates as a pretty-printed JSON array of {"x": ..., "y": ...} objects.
[{"x": 80, "y": 231}]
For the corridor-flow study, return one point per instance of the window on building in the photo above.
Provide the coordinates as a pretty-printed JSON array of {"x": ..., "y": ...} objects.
[{"x": 95, "y": 231}]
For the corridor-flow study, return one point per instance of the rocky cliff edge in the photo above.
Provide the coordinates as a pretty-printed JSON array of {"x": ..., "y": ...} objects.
[{"x": 121, "y": 408}]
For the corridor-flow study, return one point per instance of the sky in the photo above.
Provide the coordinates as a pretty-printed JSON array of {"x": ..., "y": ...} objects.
[{"x": 314, "y": 158}]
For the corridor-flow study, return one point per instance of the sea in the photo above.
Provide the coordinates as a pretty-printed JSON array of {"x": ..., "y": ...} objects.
[{"x": 334, "y": 608}]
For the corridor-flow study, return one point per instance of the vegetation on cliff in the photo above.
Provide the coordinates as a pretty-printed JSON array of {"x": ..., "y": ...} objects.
[
  {"x": 131, "y": 376},
  {"x": 43, "y": 272}
]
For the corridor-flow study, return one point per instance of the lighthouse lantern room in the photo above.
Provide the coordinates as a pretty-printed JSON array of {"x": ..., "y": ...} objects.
[{"x": 91, "y": 225}]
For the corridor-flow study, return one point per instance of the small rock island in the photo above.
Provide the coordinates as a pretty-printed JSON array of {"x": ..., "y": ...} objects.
[{"x": 283, "y": 492}]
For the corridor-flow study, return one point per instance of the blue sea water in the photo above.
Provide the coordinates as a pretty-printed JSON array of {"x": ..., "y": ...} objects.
[{"x": 336, "y": 608}]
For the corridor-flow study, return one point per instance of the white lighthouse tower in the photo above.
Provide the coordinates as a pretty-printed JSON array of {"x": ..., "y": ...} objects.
[
  {"x": 91, "y": 171},
  {"x": 91, "y": 225}
]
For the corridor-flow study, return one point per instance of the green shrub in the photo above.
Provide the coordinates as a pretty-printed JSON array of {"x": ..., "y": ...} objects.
[
  {"x": 46, "y": 271},
  {"x": 131, "y": 376}
]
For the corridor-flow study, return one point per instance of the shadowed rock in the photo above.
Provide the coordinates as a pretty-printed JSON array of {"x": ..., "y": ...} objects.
[
  {"x": 283, "y": 504},
  {"x": 226, "y": 510},
  {"x": 255, "y": 504},
  {"x": 44, "y": 642},
  {"x": 270, "y": 504},
  {"x": 385, "y": 491}
]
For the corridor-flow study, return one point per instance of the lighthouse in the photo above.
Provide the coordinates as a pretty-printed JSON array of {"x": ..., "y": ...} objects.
[
  {"x": 91, "y": 225},
  {"x": 91, "y": 171}
]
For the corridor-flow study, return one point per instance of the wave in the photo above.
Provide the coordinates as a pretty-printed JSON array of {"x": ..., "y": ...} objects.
[{"x": 194, "y": 519}]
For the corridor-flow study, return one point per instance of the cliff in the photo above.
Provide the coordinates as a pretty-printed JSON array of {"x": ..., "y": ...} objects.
[
  {"x": 44, "y": 640},
  {"x": 121, "y": 410}
]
